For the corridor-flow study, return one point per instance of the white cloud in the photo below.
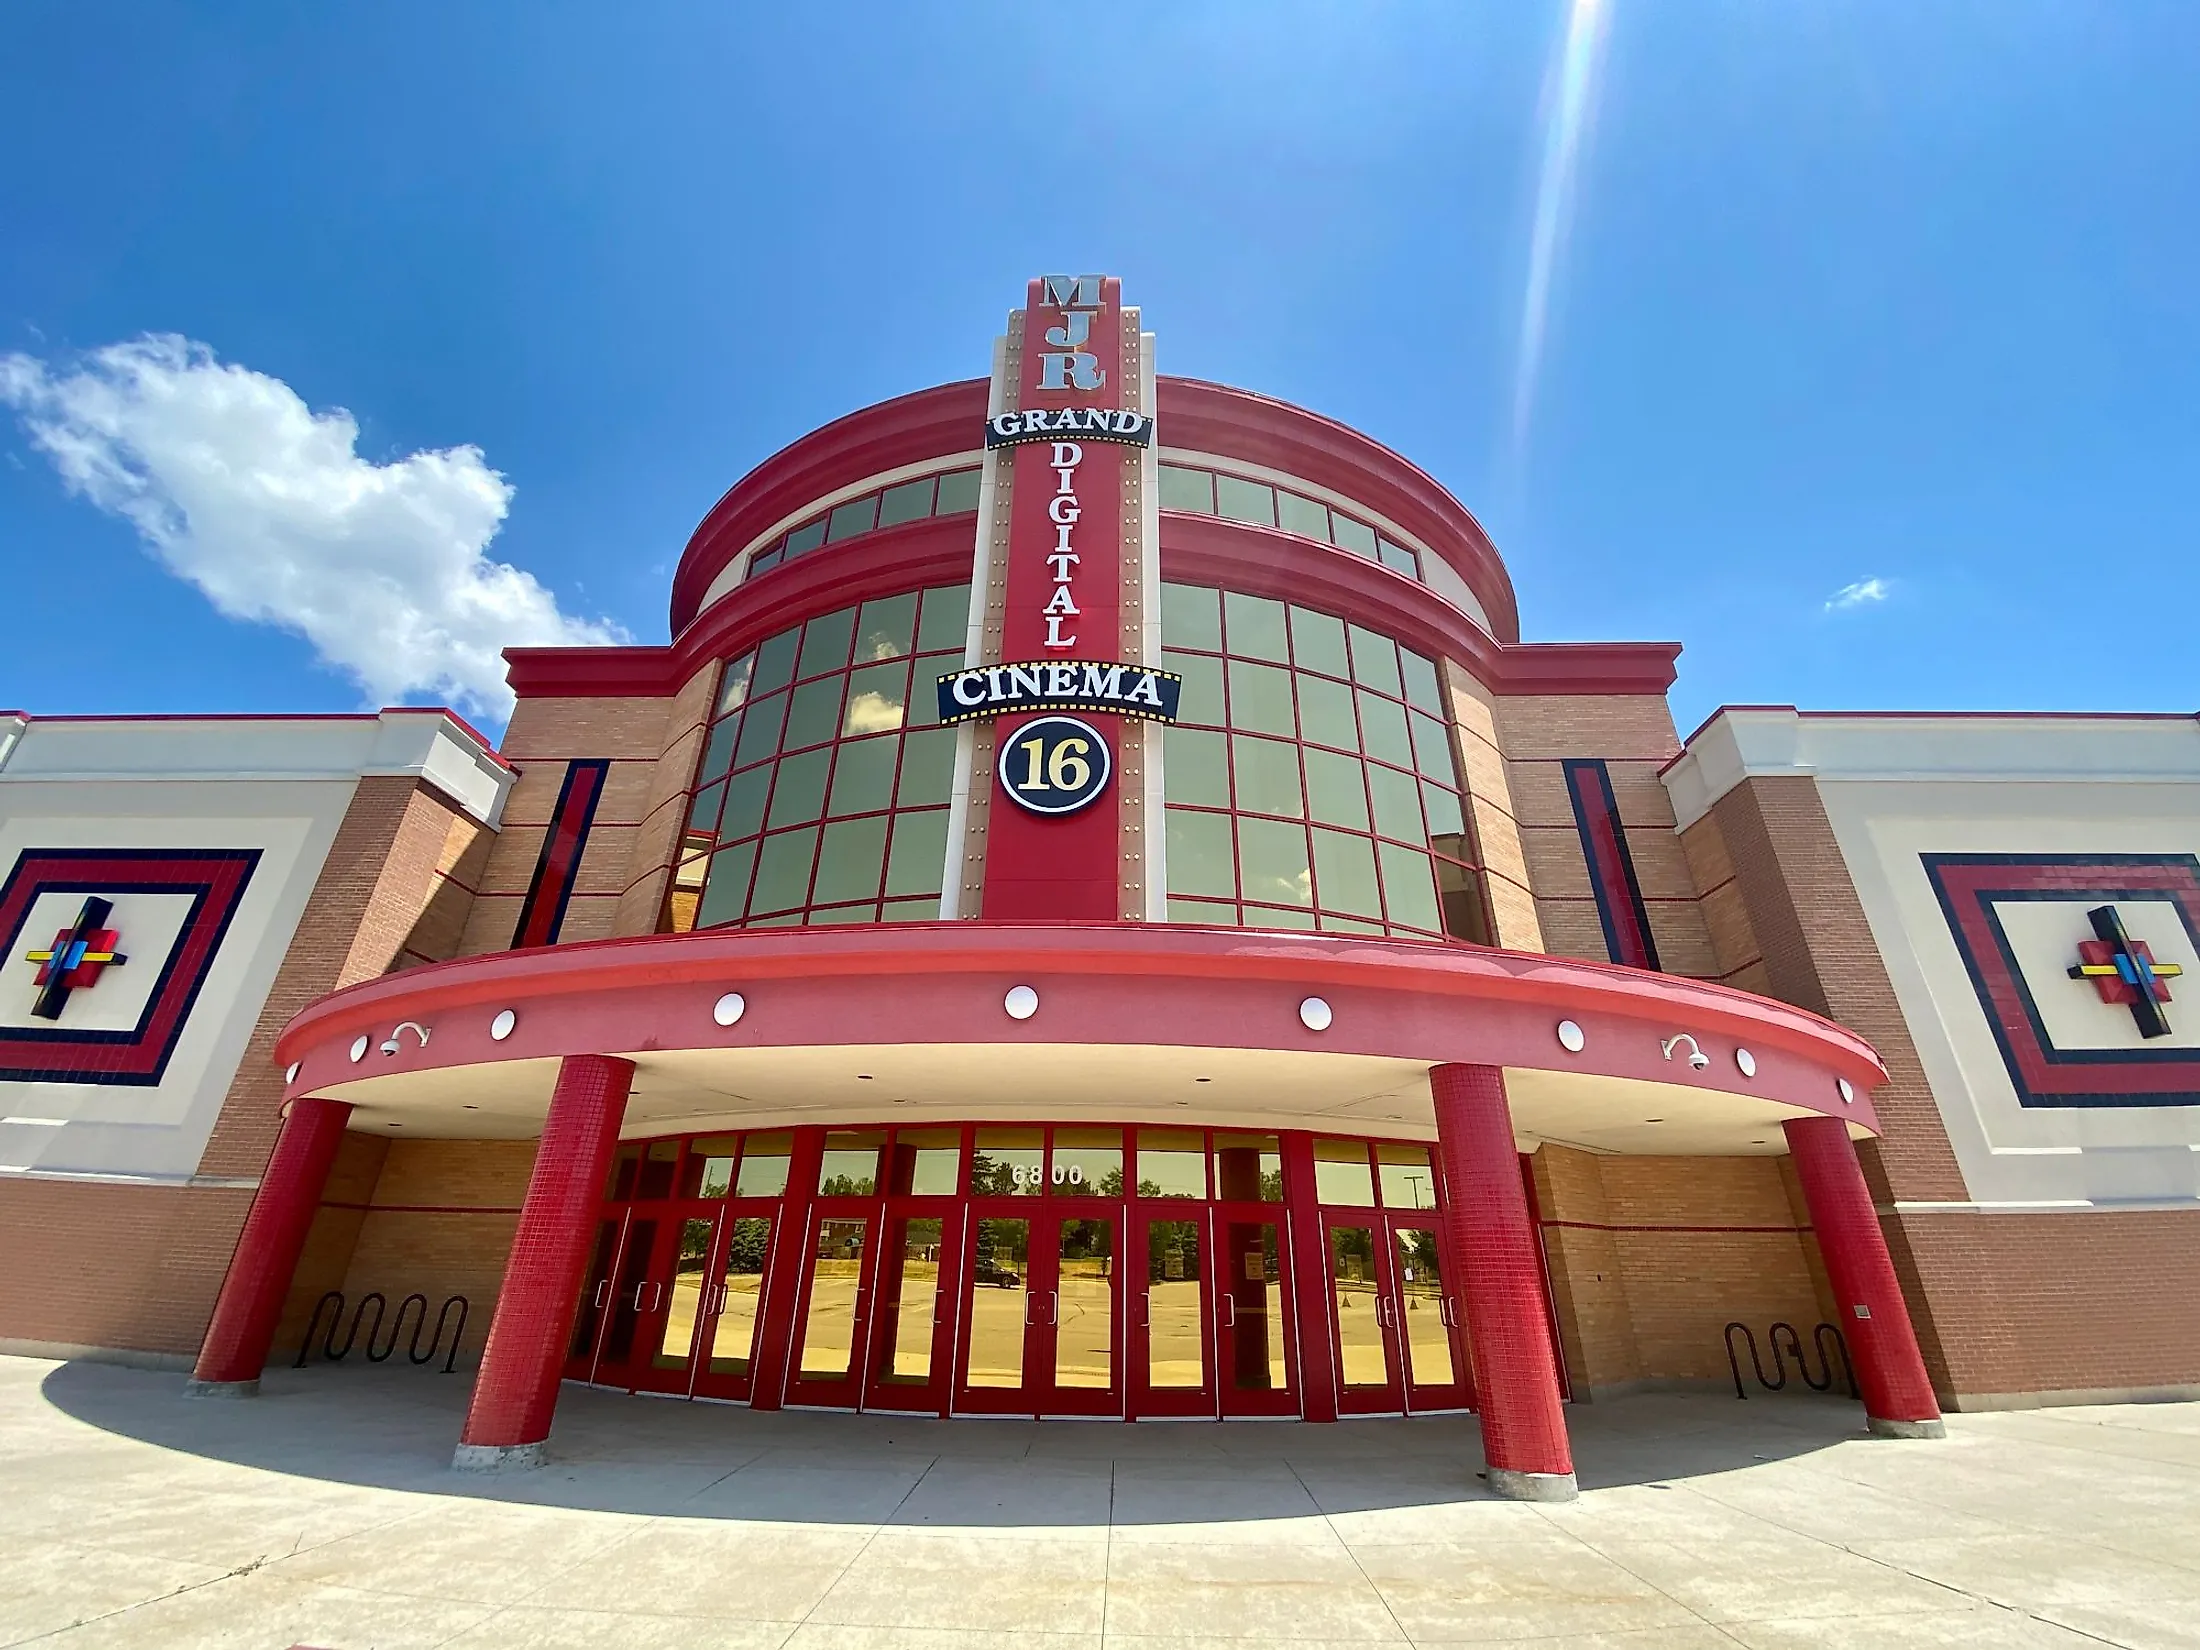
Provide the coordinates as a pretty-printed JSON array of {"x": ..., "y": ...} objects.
[
  {"x": 242, "y": 489},
  {"x": 1863, "y": 593}
]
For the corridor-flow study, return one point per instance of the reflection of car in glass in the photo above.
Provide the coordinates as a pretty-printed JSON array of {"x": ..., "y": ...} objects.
[{"x": 1001, "y": 1277}]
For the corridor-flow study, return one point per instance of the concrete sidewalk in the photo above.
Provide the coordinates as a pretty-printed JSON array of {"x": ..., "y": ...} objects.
[{"x": 323, "y": 1514}]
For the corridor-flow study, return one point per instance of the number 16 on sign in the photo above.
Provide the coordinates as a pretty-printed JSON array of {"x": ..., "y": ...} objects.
[{"x": 1055, "y": 765}]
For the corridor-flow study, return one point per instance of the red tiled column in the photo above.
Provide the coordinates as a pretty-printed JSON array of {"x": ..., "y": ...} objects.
[
  {"x": 251, "y": 1302},
  {"x": 1490, "y": 1249},
  {"x": 516, "y": 1388},
  {"x": 1890, "y": 1372}
]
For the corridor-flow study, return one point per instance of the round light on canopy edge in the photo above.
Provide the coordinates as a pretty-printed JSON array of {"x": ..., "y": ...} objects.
[
  {"x": 1315, "y": 1015},
  {"x": 1021, "y": 1002},
  {"x": 503, "y": 1025},
  {"x": 1570, "y": 1037},
  {"x": 728, "y": 1009}
]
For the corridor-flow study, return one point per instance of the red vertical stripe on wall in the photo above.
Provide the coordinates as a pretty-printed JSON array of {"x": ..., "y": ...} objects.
[
  {"x": 542, "y": 913},
  {"x": 1620, "y": 908}
]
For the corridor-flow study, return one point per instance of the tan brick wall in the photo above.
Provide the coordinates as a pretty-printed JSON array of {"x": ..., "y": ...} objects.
[
  {"x": 1816, "y": 950},
  {"x": 1651, "y": 1257},
  {"x": 656, "y": 842},
  {"x": 543, "y": 737},
  {"x": 1505, "y": 876},
  {"x": 1634, "y": 736},
  {"x": 128, "y": 1267},
  {"x": 434, "y": 1217},
  {"x": 2081, "y": 1302}
]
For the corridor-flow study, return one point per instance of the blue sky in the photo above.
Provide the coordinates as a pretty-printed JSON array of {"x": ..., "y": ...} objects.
[{"x": 1845, "y": 293}]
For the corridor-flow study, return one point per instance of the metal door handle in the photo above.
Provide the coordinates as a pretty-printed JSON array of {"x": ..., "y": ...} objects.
[
  {"x": 1229, "y": 1303},
  {"x": 1450, "y": 1313},
  {"x": 1054, "y": 1308},
  {"x": 656, "y": 1297},
  {"x": 603, "y": 1293}
]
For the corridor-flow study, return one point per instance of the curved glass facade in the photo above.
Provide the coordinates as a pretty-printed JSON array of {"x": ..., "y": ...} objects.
[
  {"x": 953, "y": 494},
  {"x": 823, "y": 788},
  {"x": 1311, "y": 781},
  {"x": 1239, "y": 498}
]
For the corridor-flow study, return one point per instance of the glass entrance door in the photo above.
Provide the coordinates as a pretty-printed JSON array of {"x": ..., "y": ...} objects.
[
  {"x": 1425, "y": 1319},
  {"x": 832, "y": 1321},
  {"x": 1256, "y": 1368},
  {"x": 1173, "y": 1330},
  {"x": 913, "y": 1320},
  {"x": 733, "y": 1302},
  {"x": 1042, "y": 1313},
  {"x": 1369, "y": 1380},
  {"x": 677, "y": 1288},
  {"x": 594, "y": 1314}
]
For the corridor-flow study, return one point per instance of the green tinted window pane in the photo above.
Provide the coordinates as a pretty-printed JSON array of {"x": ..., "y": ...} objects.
[
  {"x": 774, "y": 664},
  {"x": 1195, "y": 767},
  {"x": 926, "y": 909},
  {"x": 849, "y": 864},
  {"x": 1260, "y": 698},
  {"x": 958, "y": 493},
  {"x": 1382, "y": 730},
  {"x": 1375, "y": 662},
  {"x": 924, "y": 693},
  {"x": 1191, "y": 616},
  {"x": 783, "y": 871},
  {"x": 1397, "y": 803},
  {"x": 1273, "y": 916},
  {"x": 886, "y": 628},
  {"x": 1183, "y": 489},
  {"x": 1325, "y": 713},
  {"x": 878, "y": 699},
  {"x": 911, "y": 501},
  {"x": 815, "y": 717},
  {"x": 1272, "y": 862},
  {"x": 1201, "y": 697},
  {"x": 798, "y": 795},
  {"x": 858, "y": 515},
  {"x": 828, "y": 915},
  {"x": 1445, "y": 818},
  {"x": 745, "y": 794},
  {"x": 718, "y": 750},
  {"x": 1267, "y": 776},
  {"x": 827, "y": 643},
  {"x": 943, "y": 625},
  {"x": 765, "y": 560},
  {"x": 733, "y": 687},
  {"x": 1355, "y": 536},
  {"x": 1432, "y": 748},
  {"x": 1397, "y": 558},
  {"x": 920, "y": 853},
  {"x": 1317, "y": 643},
  {"x": 806, "y": 537},
  {"x": 1302, "y": 516},
  {"x": 726, "y": 888},
  {"x": 1214, "y": 912},
  {"x": 760, "y": 725},
  {"x": 1199, "y": 855},
  {"x": 863, "y": 775},
  {"x": 703, "y": 813},
  {"x": 1409, "y": 889},
  {"x": 1242, "y": 500},
  {"x": 785, "y": 919},
  {"x": 1345, "y": 869},
  {"x": 1332, "y": 924},
  {"x": 1171, "y": 1163},
  {"x": 1336, "y": 794},
  {"x": 1254, "y": 625},
  {"x": 927, "y": 768},
  {"x": 1422, "y": 690}
]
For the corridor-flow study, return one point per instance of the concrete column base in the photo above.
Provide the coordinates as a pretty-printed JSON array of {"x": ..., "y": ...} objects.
[
  {"x": 1880, "y": 1428},
  {"x": 1533, "y": 1486},
  {"x": 498, "y": 1458},
  {"x": 222, "y": 1389}
]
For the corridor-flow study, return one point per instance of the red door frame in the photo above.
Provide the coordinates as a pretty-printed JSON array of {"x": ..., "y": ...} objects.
[
  {"x": 731, "y": 1386},
  {"x": 842, "y": 1391},
  {"x": 1229, "y": 1304},
  {"x": 881, "y": 1391},
  {"x": 1147, "y": 1401}
]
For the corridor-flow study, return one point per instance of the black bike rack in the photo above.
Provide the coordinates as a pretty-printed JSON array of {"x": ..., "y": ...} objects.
[
  {"x": 1826, "y": 1338},
  {"x": 380, "y": 1302}
]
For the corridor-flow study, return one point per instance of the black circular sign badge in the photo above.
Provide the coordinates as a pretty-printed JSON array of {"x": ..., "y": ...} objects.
[{"x": 1055, "y": 765}]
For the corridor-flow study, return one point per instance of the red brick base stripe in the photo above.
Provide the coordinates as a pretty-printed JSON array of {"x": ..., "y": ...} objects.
[
  {"x": 516, "y": 1391},
  {"x": 251, "y": 1301},
  {"x": 1868, "y": 1297},
  {"x": 1492, "y": 1250}
]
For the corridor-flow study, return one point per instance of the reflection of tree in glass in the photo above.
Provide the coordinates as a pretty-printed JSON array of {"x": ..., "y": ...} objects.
[
  {"x": 1149, "y": 1188},
  {"x": 746, "y": 1245},
  {"x": 845, "y": 1185},
  {"x": 694, "y": 1242},
  {"x": 1111, "y": 1183},
  {"x": 1271, "y": 1186},
  {"x": 1419, "y": 1249}
]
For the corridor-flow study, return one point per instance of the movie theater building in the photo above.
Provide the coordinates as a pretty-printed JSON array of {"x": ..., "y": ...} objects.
[{"x": 1096, "y": 911}]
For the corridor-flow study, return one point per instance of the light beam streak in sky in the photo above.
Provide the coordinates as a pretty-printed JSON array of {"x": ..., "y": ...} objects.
[{"x": 1569, "y": 100}]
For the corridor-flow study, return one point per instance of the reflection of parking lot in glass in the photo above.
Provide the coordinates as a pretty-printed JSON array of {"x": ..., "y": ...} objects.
[
  {"x": 1084, "y": 1339},
  {"x": 907, "y": 1355},
  {"x": 1421, "y": 1297},
  {"x": 1176, "y": 1351},
  {"x": 999, "y": 1267},
  {"x": 733, "y": 1338},
  {"x": 1359, "y": 1306},
  {"x": 684, "y": 1298},
  {"x": 828, "y": 1331}
]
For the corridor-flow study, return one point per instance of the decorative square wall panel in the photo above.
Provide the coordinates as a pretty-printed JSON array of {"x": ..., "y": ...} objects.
[
  {"x": 2086, "y": 967},
  {"x": 105, "y": 951}
]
